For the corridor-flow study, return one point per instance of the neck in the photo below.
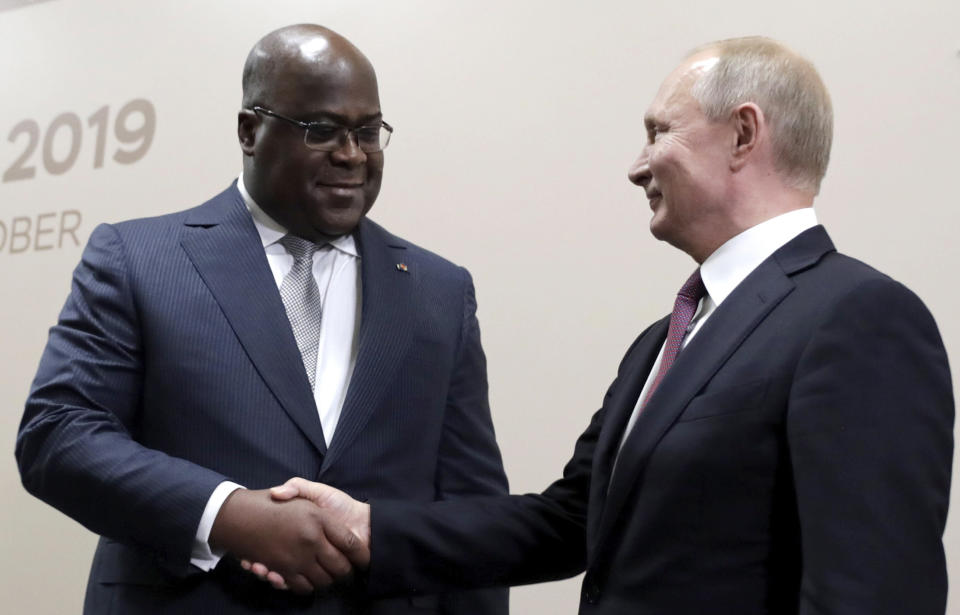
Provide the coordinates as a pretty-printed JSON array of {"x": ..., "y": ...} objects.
[{"x": 746, "y": 214}]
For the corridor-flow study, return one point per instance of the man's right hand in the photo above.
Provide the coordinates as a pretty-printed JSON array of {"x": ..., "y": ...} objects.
[
  {"x": 352, "y": 536},
  {"x": 347, "y": 522},
  {"x": 290, "y": 537}
]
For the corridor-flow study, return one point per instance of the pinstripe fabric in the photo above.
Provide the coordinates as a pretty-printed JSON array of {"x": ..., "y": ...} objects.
[{"x": 174, "y": 367}]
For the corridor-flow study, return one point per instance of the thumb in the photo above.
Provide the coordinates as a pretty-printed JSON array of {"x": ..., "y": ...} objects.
[
  {"x": 288, "y": 490},
  {"x": 355, "y": 548},
  {"x": 318, "y": 493}
]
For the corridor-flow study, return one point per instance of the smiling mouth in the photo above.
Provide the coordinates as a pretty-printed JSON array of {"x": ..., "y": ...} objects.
[{"x": 342, "y": 185}]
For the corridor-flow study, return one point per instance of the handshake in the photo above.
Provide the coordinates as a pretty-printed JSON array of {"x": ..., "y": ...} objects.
[{"x": 300, "y": 536}]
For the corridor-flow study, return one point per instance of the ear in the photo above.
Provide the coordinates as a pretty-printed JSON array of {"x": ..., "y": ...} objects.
[
  {"x": 247, "y": 124},
  {"x": 748, "y": 123}
]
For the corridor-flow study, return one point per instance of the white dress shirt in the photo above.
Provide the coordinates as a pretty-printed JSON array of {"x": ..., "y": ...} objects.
[
  {"x": 336, "y": 269},
  {"x": 723, "y": 271}
]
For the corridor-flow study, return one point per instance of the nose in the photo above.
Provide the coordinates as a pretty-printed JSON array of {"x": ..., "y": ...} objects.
[
  {"x": 639, "y": 172},
  {"x": 349, "y": 152}
]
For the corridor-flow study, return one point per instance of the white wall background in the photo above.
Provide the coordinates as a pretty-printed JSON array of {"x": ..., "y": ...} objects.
[{"x": 516, "y": 122}]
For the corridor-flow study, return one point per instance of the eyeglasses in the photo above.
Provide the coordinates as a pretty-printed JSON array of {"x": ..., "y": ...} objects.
[{"x": 329, "y": 137}]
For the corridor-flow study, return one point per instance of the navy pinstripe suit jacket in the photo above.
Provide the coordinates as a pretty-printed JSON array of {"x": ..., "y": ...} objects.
[{"x": 173, "y": 368}]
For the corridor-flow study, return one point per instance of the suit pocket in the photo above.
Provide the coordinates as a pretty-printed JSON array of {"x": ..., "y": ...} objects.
[
  {"x": 726, "y": 401},
  {"x": 116, "y": 562}
]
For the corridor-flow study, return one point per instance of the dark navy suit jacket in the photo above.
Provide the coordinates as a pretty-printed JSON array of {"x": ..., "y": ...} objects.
[
  {"x": 796, "y": 459},
  {"x": 173, "y": 367}
]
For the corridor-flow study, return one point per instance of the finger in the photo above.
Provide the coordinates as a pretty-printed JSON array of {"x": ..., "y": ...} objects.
[
  {"x": 260, "y": 570},
  {"x": 245, "y": 564},
  {"x": 333, "y": 561},
  {"x": 277, "y": 581},
  {"x": 299, "y": 584},
  {"x": 318, "y": 577},
  {"x": 352, "y": 546},
  {"x": 359, "y": 554}
]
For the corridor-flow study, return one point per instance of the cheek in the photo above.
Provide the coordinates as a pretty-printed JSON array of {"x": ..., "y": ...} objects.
[
  {"x": 662, "y": 165},
  {"x": 375, "y": 168},
  {"x": 374, "y": 174},
  {"x": 375, "y": 171},
  {"x": 299, "y": 172},
  {"x": 374, "y": 179},
  {"x": 672, "y": 163}
]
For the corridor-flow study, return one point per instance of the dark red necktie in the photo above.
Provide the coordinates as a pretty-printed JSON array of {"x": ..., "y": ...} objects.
[{"x": 683, "y": 310}]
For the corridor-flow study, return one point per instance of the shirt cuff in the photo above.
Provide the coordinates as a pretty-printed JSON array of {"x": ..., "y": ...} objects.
[{"x": 202, "y": 556}]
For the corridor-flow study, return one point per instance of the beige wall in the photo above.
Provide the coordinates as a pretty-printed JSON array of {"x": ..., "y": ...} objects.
[{"x": 516, "y": 122}]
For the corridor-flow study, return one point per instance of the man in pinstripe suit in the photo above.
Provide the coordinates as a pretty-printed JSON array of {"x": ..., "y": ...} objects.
[{"x": 173, "y": 389}]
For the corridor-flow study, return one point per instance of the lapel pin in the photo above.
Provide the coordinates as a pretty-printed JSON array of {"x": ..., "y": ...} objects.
[{"x": 402, "y": 267}]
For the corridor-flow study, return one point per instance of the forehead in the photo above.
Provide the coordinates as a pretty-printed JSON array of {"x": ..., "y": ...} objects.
[
  {"x": 325, "y": 83},
  {"x": 674, "y": 95}
]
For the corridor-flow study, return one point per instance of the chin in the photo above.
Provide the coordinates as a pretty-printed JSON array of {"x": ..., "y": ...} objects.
[
  {"x": 335, "y": 226},
  {"x": 659, "y": 229}
]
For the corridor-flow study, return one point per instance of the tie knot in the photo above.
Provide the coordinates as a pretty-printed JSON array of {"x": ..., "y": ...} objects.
[
  {"x": 693, "y": 288},
  {"x": 298, "y": 247}
]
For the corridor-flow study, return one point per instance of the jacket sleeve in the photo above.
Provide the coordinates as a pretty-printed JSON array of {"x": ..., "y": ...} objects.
[
  {"x": 870, "y": 429},
  {"x": 493, "y": 540},
  {"x": 486, "y": 541},
  {"x": 77, "y": 446},
  {"x": 469, "y": 459},
  {"x": 469, "y": 462}
]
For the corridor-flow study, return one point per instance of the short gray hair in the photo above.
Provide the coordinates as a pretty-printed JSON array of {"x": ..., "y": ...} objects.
[{"x": 787, "y": 88}]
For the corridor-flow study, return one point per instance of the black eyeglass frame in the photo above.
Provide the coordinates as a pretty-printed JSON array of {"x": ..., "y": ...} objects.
[{"x": 344, "y": 131}]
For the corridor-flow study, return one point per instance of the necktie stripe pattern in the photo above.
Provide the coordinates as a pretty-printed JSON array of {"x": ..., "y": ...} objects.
[
  {"x": 301, "y": 299},
  {"x": 683, "y": 310}
]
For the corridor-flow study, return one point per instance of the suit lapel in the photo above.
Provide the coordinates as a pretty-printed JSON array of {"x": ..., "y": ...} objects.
[
  {"x": 224, "y": 246},
  {"x": 742, "y": 311},
  {"x": 620, "y": 407},
  {"x": 385, "y": 330}
]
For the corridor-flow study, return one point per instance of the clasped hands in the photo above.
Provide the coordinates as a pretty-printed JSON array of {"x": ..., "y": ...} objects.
[{"x": 301, "y": 536}]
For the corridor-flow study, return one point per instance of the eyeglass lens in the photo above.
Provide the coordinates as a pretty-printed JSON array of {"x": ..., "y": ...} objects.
[{"x": 369, "y": 138}]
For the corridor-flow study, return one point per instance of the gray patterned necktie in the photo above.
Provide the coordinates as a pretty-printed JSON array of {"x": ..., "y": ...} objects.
[{"x": 301, "y": 299}]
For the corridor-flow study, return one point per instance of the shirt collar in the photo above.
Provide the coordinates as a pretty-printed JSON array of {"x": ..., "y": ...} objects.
[
  {"x": 732, "y": 262},
  {"x": 271, "y": 231}
]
